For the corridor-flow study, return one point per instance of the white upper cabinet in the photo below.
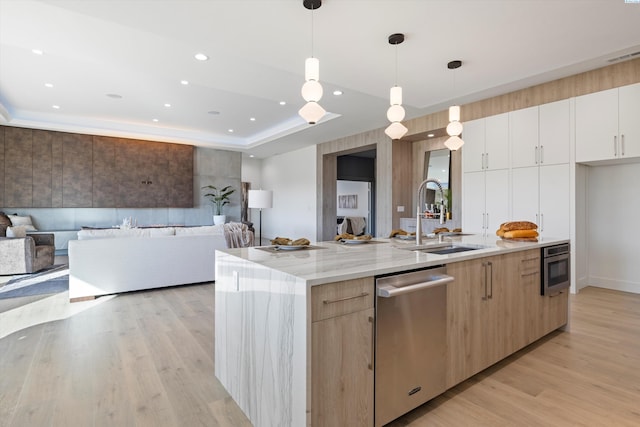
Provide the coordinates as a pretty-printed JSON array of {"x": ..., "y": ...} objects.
[
  {"x": 607, "y": 125},
  {"x": 486, "y": 144},
  {"x": 523, "y": 129},
  {"x": 629, "y": 120},
  {"x": 555, "y": 133}
]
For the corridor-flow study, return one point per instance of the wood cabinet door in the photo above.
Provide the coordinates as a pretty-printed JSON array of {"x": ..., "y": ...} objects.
[
  {"x": 629, "y": 102},
  {"x": 555, "y": 132},
  {"x": 597, "y": 126},
  {"x": 467, "y": 320},
  {"x": 105, "y": 184},
  {"x": 18, "y": 179},
  {"x": 77, "y": 170},
  {"x": 42, "y": 168},
  {"x": 342, "y": 370},
  {"x": 523, "y": 136}
]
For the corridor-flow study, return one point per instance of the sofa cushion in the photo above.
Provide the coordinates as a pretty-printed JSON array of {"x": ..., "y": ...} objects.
[
  {"x": 86, "y": 234},
  {"x": 206, "y": 229},
  {"x": 17, "y": 231},
  {"x": 4, "y": 223},
  {"x": 22, "y": 220}
]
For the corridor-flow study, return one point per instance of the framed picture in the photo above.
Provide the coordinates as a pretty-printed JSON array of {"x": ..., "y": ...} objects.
[{"x": 348, "y": 202}]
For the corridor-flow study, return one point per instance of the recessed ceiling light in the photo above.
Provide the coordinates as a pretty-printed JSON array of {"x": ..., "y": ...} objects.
[
  {"x": 155, "y": 120},
  {"x": 48, "y": 85},
  {"x": 283, "y": 103},
  {"x": 251, "y": 155},
  {"x": 184, "y": 82},
  {"x": 201, "y": 56},
  {"x": 337, "y": 92},
  {"x": 230, "y": 130},
  {"x": 114, "y": 96},
  {"x": 253, "y": 119},
  {"x": 430, "y": 135},
  {"x": 167, "y": 105},
  {"x": 37, "y": 51},
  {"x": 55, "y": 107},
  {"x": 213, "y": 112}
]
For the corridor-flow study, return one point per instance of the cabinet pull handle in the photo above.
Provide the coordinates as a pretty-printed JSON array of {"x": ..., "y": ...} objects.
[
  {"x": 536, "y": 155},
  {"x": 486, "y": 158},
  {"x": 556, "y": 295},
  {"x": 491, "y": 277},
  {"x": 484, "y": 266},
  {"x": 530, "y": 259},
  {"x": 622, "y": 144},
  {"x": 482, "y": 161},
  {"x": 541, "y": 222},
  {"x": 373, "y": 349},
  {"x": 329, "y": 301},
  {"x": 541, "y": 154},
  {"x": 615, "y": 145},
  {"x": 529, "y": 274}
]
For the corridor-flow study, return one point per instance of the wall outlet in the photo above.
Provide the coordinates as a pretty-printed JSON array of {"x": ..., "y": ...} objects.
[{"x": 400, "y": 208}]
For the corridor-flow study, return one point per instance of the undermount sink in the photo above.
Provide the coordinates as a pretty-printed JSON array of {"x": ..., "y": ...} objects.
[{"x": 450, "y": 249}]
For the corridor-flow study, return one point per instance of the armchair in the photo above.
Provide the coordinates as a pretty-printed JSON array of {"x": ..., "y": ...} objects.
[{"x": 26, "y": 254}]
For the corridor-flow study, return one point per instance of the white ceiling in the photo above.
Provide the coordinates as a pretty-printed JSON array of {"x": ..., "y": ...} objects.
[{"x": 142, "y": 49}]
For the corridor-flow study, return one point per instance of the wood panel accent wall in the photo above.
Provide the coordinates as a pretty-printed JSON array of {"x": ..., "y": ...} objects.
[
  {"x": 56, "y": 169},
  {"x": 616, "y": 75},
  {"x": 402, "y": 190}
]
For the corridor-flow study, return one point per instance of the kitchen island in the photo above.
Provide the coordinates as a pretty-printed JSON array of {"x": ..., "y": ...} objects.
[{"x": 294, "y": 330}]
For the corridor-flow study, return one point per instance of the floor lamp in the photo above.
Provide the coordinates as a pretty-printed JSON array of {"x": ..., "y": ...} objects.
[{"x": 260, "y": 199}]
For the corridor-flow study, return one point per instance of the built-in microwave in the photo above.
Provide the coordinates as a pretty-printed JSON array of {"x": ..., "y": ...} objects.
[{"x": 555, "y": 269}]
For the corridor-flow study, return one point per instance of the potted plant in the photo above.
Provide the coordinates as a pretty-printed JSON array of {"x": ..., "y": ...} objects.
[{"x": 219, "y": 198}]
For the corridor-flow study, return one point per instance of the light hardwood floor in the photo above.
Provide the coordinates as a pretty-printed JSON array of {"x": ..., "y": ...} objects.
[{"x": 146, "y": 359}]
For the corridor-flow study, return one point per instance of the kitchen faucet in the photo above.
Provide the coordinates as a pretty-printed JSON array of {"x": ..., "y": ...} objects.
[{"x": 421, "y": 188}]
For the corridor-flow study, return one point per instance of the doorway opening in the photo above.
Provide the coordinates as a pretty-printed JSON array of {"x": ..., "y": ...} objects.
[{"x": 355, "y": 185}]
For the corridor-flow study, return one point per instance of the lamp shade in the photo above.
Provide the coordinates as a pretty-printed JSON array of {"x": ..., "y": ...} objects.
[
  {"x": 454, "y": 113},
  {"x": 454, "y": 128},
  {"x": 396, "y": 130},
  {"x": 260, "y": 199},
  {"x": 311, "y": 91},
  {"x": 312, "y": 69},
  {"x": 312, "y": 112},
  {"x": 453, "y": 143},
  {"x": 395, "y": 95},
  {"x": 395, "y": 113}
]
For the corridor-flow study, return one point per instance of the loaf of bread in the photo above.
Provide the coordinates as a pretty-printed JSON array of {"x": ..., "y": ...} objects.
[
  {"x": 519, "y": 234},
  {"x": 301, "y": 242},
  {"x": 518, "y": 225},
  {"x": 281, "y": 241},
  {"x": 457, "y": 230},
  {"x": 440, "y": 230},
  {"x": 397, "y": 232},
  {"x": 347, "y": 236},
  {"x": 363, "y": 237}
]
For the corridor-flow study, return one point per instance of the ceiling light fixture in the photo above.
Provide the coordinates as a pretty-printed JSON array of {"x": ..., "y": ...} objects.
[
  {"x": 201, "y": 56},
  {"x": 48, "y": 85},
  {"x": 184, "y": 82},
  {"x": 395, "y": 113},
  {"x": 37, "y": 51},
  {"x": 167, "y": 105},
  {"x": 337, "y": 92},
  {"x": 311, "y": 91},
  {"x": 454, "y": 128}
]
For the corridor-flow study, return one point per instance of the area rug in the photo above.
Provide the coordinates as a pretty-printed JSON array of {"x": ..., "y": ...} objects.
[{"x": 49, "y": 281}]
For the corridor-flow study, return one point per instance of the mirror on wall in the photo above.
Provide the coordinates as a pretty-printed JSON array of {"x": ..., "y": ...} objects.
[{"x": 437, "y": 165}]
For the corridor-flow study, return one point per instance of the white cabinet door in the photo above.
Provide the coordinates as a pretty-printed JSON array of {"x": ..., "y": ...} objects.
[
  {"x": 473, "y": 148},
  {"x": 555, "y": 132},
  {"x": 496, "y": 142},
  {"x": 473, "y": 202},
  {"x": 597, "y": 126},
  {"x": 523, "y": 130},
  {"x": 497, "y": 199},
  {"x": 629, "y": 120},
  {"x": 524, "y": 194},
  {"x": 555, "y": 218}
]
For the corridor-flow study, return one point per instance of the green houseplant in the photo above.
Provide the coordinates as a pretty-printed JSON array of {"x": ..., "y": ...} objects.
[{"x": 219, "y": 198}]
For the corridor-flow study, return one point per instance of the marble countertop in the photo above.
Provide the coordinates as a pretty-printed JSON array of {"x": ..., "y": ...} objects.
[{"x": 326, "y": 262}]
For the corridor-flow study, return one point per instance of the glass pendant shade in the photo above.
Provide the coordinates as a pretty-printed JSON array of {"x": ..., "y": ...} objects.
[
  {"x": 454, "y": 113},
  {"x": 454, "y": 143},
  {"x": 454, "y": 128},
  {"x": 312, "y": 69},
  {"x": 396, "y": 130},
  {"x": 395, "y": 95},
  {"x": 395, "y": 113},
  {"x": 312, "y": 112},
  {"x": 311, "y": 91}
]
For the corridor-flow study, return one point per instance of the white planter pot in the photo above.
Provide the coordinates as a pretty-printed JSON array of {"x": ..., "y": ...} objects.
[{"x": 219, "y": 219}]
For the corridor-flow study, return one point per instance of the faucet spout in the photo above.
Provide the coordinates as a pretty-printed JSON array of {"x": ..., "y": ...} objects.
[{"x": 420, "y": 200}]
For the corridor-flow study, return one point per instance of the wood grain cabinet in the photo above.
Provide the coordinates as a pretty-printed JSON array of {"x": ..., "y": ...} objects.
[
  {"x": 342, "y": 353},
  {"x": 18, "y": 160}
]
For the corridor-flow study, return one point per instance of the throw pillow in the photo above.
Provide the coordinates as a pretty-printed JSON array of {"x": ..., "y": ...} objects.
[
  {"x": 22, "y": 220},
  {"x": 17, "y": 231},
  {"x": 4, "y": 223}
]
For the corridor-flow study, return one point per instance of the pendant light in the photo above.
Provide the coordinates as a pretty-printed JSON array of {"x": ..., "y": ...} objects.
[
  {"x": 311, "y": 91},
  {"x": 395, "y": 113},
  {"x": 454, "y": 128}
]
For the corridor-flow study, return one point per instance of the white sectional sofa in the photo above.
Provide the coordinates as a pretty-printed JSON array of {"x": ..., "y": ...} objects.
[{"x": 109, "y": 261}]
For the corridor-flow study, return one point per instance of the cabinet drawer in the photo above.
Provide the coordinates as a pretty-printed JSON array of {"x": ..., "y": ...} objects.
[{"x": 336, "y": 299}]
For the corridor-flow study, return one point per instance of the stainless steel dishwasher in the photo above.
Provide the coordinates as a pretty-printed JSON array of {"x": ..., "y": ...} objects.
[{"x": 411, "y": 321}]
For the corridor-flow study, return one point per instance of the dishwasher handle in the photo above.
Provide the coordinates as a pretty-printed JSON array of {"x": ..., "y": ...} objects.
[{"x": 388, "y": 291}]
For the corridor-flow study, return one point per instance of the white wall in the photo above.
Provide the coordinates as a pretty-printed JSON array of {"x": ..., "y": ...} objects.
[
  {"x": 612, "y": 227},
  {"x": 292, "y": 177}
]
